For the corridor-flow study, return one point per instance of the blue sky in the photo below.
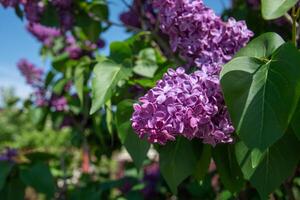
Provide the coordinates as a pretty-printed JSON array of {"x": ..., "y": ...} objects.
[{"x": 16, "y": 43}]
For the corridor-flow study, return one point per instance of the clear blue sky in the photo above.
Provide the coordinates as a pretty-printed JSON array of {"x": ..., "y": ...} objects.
[{"x": 16, "y": 43}]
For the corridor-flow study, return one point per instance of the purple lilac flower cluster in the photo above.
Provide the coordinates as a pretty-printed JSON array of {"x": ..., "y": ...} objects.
[
  {"x": 200, "y": 36},
  {"x": 64, "y": 9},
  {"x": 9, "y": 3},
  {"x": 59, "y": 103},
  {"x": 44, "y": 34},
  {"x": 150, "y": 179},
  {"x": 8, "y": 155},
  {"x": 32, "y": 74},
  {"x": 34, "y": 77},
  {"x": 182, "y": 104},
  {"x": 132, "y": 17},
  {"x": 191, "y": 105}
]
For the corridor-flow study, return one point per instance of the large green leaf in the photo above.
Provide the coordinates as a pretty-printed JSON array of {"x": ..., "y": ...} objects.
[
  {"x": 262, "y": 95},
  {"x": 107, "y": 74},
  {"x": 13, "y": 190},
  {"x": 146, "y": 64},
  {"x": 177, "y": 161},
  {"x": 272, "y": 9},
  {"x": 228, "y": 168},
  {"x": 136, "y": 147},
  {"x": 123, "y": 115},
  {"x": 5, "y": 169},
  {"x": 203, "y": 162},
  {"x": 262, "y": 46},
  {"x": 40, "y": 178},
  {"x": 276, "y": 164},
  {"x": 295, "y": 124}
]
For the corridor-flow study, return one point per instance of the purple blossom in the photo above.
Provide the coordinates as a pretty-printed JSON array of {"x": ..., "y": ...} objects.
[
  {"x": 8, "y": 155},
  {"x": 100, "y": 43},
  {"x": 32, "y": 74},
  {"x": 9, "y": 3},
  {"x": 255, "y": 4},
  {"x": 66, "y": 19},
  {"x": 185, "y": 105},
  {"x": 65, "y": 4},
  {"x": 130, "y": 18},
  {"x": 74, "y": 50},
  {"x": 44, "y": 34},
  {"x": 151, "y": 178},
  {"x": 139, "y": 8},
  {"x": 198, "y": 34},
  {"x": 59, "y": 103},
  {"x": 33, "y": 10},
  {"x": 40, "y": 98}
]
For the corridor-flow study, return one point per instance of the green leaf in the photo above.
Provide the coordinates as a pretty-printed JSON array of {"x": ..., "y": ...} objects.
[
  {"x": 277, "y": 164},
  {"x": 262, "y": 47},
  {"x": 40, "y": 178},
  {"x": 59, "y": 86},
  {"x": 5, "y": 169},
  {"x": 119, "y": 51},
  {"x": 13, "y": 190},
  {"x": 262, "y": 96},
  {"x": 228, "y": 168},
  {"x": 39, "y": 117},
  {"x": 89, "y": 27},
  {"x": 136, "y": 147},
  {"x": 295, "y": 124},
  {"x": 146, "y": 63},
  {"x": 177, "y": 162},
  {"x": 109, "y": 117},
  {"x": 203, "y": 162},
  {"x": 123, "y": 115},
  {"x": 50, "y": 16},
  {"x": 99, "y": 10},
  {"x": 80, "y": 80},
  {"x": 272, "y": 9},
  {"x": 49, "y": 78},
  {"x": 106, "y": 77},
  {"x": 59, "y": 62}
]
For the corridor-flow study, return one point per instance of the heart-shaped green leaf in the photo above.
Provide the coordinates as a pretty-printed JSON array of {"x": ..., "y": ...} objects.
[
  {"x": 272, "y": 9},
  {"x": 262, "y": 95}
]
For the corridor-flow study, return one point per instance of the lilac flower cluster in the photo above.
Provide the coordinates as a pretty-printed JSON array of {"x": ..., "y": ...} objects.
[
  {"x": 34, "y": 77},
  {"x": 64, "y": 9},
  {"x": 200, "y": 36},
  {"x": 59, "y": 103},
  {"x": 33, "y": 10},
  {"x": 8, "y": 155},
  {"x": 150, "y": 179},
  {"x": 139, "y": 9},
  {"x": 180, "y": 104},
  {"x": 44, "y": 34},
  {"x": 9, "y": 3},
  {"x": 32, "y": 74}
]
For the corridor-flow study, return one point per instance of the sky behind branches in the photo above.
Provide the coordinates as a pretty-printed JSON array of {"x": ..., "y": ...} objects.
[{"x": 17, "y": 43}]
